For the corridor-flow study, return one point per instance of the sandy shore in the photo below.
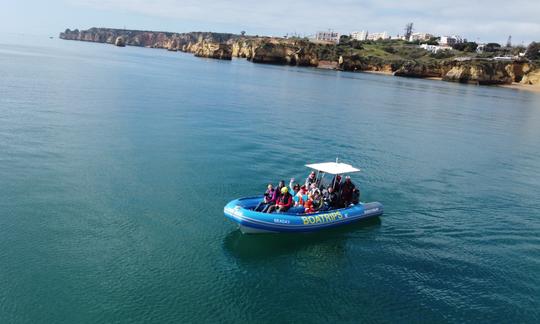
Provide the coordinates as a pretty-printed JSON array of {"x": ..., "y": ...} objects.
[
  {"x": 379, "y": 72},
  {"x": 526, "y": 87},
  {"x": 515, "y": 85}
]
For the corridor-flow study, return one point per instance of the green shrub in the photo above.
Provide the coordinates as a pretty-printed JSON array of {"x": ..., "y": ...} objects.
[
  {"x": 465, "y": 47},
  {"x": 389, "y": 49},
  {"x": 533, "y": 51}
]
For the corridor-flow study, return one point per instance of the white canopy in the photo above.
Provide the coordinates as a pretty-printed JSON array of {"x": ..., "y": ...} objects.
[{"x": 333, "y": 167}]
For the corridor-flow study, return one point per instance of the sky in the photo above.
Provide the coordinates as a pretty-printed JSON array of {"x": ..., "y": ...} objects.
[{"x": 481, "y": 20}]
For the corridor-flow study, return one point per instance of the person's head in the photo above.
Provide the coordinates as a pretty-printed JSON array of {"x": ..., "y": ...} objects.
[
  {"x": 284, "y": 190},
  {"x": 303, "y": 188},
  {"x": 282, "y": 183},
  {"x": 312, "y": 174},
  {"x": 312, "y": 186},
  {"x": 347, "y": 179},
  {"x": 317, "y": 193},
  {"x": 296, "y": 187},
  {"x": 338, "y": 178},
  {"x": 270, "y": 187},
  {"x": 330, "y": 189}
]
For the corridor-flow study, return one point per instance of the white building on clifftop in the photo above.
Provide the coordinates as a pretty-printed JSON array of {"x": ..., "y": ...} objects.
[
  {"x": 377, "y": 36},
  {"x": 419, "y": 37},
  {"x": 450, "y": 40},
  {"x": 327, "y": 36},
  {"x": 360, "y": 36}
]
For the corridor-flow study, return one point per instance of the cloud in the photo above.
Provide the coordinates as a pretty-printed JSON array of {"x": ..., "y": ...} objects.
[{"x": 487, "y": 20}]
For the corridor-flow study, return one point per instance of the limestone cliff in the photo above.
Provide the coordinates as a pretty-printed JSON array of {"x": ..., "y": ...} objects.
[
  {"x": 532, "y": 78},
  {"x": 486, "y": 72},
  {"x": 206, "y": 44},
  {"x": 367, "y": 63},
  {"x": 300, "y": 52},
  {"x": 420, "y": 70},
  {"x": 276, "y": 51},
  {"x": 211, "y": 50}
]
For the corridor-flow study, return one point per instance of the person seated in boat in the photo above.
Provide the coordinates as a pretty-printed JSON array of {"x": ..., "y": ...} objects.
[
  {"x": 280, "y": 186},
  {"x": 312, "y": 178},
  {"x": 331, "y": 199},
  {"x": 336, "y": 183},
  {"x": 275, "y": 197},
  {"x": 312, "y": 189},
  {"x": 267, "y": 198},
  {"x": 356, "y": 196},
  {"x": 283, "y": 203},
  {"x": 301, "y": 196},
  {"x": 293, "y": 188},
  {"x": 308, "y": 207},
  {"x": 347, "y": 189},
  {"x": 316, "y": 201}
]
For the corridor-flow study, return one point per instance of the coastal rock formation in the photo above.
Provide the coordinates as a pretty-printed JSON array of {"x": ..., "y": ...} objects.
[
  {"x": 243, "y": 48},
  {"x": 420, "y": 70},
  {"x": 205, "y": 44},
  {"x": 486, "y": 72},
  {"x": 367, "y": 63},
  {"x": 212, "y": 50},
  {"x": 120, "y": 41},
  {"x": 532, "y": 78},
  {"x": 302, "y": 52},
  {"x": 276, "y": 51},
  {"x": 273, "y": 53}
]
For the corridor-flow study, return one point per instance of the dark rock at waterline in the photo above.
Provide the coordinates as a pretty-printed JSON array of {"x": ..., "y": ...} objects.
[{"x": 120, "y": 41}]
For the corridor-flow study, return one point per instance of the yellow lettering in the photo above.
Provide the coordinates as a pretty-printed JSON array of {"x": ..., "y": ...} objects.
[{"x": 330, "y": 217}]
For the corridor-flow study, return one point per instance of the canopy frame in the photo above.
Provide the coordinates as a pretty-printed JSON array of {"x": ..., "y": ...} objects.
[{"x": 334, "y": 168}]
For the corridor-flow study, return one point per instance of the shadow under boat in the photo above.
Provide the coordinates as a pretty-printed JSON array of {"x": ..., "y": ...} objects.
[{"x": 262, "y": 246}]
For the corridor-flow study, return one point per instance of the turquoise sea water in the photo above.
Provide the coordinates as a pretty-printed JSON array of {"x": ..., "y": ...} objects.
[{"x": 115, "y": 165}]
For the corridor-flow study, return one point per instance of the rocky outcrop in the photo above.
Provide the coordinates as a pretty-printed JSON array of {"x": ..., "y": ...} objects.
[
  {"x": 120, "y": 41},
  {"x": 204, "y": 44},
  {"x": 367, "y": 63},
  {"x": 276, "y": 51},
  {"x": 532, "y": 78},
  {"x": 212, "y": 50},
  {"x": 420, "y": 70},
  {"x": 485, "y": 72}
]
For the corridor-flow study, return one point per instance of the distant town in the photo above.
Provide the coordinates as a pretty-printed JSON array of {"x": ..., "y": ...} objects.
[{"x": 431, "y": 42}]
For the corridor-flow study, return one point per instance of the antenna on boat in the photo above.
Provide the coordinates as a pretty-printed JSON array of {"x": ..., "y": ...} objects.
[{"x": 335, "y": 176}]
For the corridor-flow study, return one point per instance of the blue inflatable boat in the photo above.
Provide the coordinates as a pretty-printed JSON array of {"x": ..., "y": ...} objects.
[{"x": 241, "y": 211}]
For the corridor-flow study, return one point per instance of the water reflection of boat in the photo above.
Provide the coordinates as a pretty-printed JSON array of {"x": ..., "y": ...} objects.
[
  {"x": 253, "y": 248},
  {"x": 242, "y": 212}
]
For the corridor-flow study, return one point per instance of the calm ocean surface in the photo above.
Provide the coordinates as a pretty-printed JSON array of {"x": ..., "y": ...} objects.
[{"x": 115, "y": 165}]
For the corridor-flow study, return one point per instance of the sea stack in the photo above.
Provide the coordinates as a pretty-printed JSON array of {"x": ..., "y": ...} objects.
[{"x": 120, "y": 41}]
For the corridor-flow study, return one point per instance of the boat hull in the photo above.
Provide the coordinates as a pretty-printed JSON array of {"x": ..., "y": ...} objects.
[{"x": 249, "y": 221}]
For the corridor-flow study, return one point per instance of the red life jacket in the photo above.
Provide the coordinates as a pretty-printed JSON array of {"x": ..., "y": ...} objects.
[{"x": 285, "y": 200}]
